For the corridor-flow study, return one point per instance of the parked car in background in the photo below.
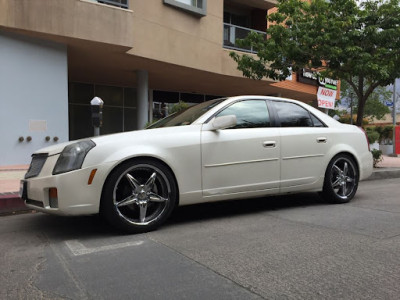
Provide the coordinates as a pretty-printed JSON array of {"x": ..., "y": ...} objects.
[{"x": 231, "y": 148}]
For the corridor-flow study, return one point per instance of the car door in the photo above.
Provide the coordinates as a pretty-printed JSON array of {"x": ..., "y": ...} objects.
[
  {"x": 305, "y": 142},
  {"x": 243, "y": 159}
]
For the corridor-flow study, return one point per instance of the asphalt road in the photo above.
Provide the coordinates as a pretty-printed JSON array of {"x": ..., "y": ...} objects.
[{"x": 292, "y": 247}]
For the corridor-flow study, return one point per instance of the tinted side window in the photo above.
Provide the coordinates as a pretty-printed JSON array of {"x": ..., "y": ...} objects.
[
  {"x": 292, "y": 115},
  {"x": 316, "y": 121},
  {"x": 249, "y": 113}
]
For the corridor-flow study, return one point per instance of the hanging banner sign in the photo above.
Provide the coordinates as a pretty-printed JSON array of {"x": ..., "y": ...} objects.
[
  {"x": 326, "y": 98},
  {"x": 311, "y": 77}
]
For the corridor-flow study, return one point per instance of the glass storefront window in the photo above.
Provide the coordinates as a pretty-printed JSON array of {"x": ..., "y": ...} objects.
[{"x": 119, "y": 111}]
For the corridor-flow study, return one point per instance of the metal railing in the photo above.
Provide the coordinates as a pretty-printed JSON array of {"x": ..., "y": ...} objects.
[
  {"x": 117, "y": 3},
  {"x": 233, "y": 32}
]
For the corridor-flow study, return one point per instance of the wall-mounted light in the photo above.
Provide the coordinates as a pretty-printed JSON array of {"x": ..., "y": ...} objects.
[
  {"x": 28, "y": 138},
  {"x": 21, "y": 139},
  {"x": 47, "y": 138},
  {"x": 55, "y": 139}
]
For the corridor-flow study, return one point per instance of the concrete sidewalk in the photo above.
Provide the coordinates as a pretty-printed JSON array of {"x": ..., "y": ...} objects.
[{"x": 10, "y": 177}]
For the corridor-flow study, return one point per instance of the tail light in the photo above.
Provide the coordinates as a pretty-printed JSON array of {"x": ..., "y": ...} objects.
[{"x": 366, "y": 136}]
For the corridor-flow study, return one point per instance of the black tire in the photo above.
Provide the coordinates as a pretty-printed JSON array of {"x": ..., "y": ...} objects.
[
  {"x": 341, "y": 179},
  {"x": 139, "y": 196}
]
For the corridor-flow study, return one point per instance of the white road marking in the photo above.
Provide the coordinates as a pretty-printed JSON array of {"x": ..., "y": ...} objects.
[{"x": 78, "y": 248}]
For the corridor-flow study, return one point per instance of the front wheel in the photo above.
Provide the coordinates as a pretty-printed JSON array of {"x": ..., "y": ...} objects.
[
  {"x": 139, "y": 196},
  {"x": 341, "y": 179}
]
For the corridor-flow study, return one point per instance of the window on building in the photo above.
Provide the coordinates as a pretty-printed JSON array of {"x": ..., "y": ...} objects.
[
  {"x": 249, "y": 113},
  {"x": 197, "y": 7},
  {"x": 163, "y": 101},
  {"x": 119, "y": 110},
  {"x": 238, "y": 23},
  {"x": 117, "y": 3},
  {"x": 236, "y": 19}
]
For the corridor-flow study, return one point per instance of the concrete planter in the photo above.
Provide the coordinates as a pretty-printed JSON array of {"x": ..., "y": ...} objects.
[
  {"x": 386, "y": 149},
  {"x": 374, "y": 146}
]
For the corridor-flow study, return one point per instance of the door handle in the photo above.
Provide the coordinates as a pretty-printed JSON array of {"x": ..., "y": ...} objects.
[
  {"x": 269, "y": 144},
  {"x": 322, "y": 140}
]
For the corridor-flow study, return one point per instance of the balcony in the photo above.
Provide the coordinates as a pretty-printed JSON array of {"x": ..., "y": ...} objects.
[{"x": 234, "y": 32}]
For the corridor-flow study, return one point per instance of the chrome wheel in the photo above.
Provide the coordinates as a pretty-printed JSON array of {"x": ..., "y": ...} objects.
[
  {"x": 139, "y": 196},
  {"x": 341, "y": 179}
]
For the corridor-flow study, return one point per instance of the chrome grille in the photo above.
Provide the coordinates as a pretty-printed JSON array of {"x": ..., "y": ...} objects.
[{"x": 36, "y": 166}]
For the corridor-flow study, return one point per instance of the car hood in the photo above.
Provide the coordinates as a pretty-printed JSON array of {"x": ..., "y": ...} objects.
[{"x": 139, "y": 136}]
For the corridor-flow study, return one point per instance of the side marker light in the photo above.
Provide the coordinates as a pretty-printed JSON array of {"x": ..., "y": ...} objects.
[{"x": 91, "y": 177}]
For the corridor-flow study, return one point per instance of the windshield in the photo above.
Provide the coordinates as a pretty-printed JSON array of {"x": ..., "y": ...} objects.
[{"x": 187, "y": 116}]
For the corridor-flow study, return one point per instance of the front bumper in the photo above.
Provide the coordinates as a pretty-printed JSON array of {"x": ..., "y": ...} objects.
[{"x": 74, "y": 195}]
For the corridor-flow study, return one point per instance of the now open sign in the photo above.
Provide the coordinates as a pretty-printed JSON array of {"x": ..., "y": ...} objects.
[{"x": 326, "y": 98}]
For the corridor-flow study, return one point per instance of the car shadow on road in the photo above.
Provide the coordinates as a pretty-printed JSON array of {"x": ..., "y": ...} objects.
[
  {"x": 77, "y": 227},
  {"x": 222, "y": 209},
  {"x": 64, "y": 228}
]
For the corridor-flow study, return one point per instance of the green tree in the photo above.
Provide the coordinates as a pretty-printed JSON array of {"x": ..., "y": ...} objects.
[
  {"x": 374, "y": 107},
  {"x": 345, "y": 39}
]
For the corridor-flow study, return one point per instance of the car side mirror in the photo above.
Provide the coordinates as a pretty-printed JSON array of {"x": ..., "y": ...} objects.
[{"x": 221, "y": 122}]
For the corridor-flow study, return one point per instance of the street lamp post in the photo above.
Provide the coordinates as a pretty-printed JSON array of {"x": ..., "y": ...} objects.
[
  {"x": 351, "y": 108},
  {"x": 394, "y": 120}
]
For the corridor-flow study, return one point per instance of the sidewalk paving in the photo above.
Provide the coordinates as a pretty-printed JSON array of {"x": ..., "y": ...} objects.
[{"x": 10, "y": 177}]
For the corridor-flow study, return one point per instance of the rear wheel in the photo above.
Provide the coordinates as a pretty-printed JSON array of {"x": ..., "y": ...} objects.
[
  {"x": 139, "y": 196},
  {"x": 341, "y": 179}
]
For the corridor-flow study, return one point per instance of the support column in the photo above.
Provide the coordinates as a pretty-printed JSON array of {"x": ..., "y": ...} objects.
[
  {"x": 150, "y": 105},
  {"x": 142, "y": 98}
]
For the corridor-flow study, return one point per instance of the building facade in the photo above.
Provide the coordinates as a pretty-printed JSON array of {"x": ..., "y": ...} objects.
[{"x": 138, "y": 56}]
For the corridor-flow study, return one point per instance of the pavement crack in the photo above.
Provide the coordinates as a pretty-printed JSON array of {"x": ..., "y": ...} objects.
[
  {"x": 247, "y": 288},
  {"x": 31, "y": 279},
  {"x": 80, "y": 288}
]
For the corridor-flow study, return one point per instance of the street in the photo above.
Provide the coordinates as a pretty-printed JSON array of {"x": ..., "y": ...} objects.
[{"x": 288, "y": 247}]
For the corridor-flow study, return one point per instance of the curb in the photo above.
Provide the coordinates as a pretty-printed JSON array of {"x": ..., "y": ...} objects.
[
  {"x": 384, "y": 173},
  {"x": 11, "y": 203}
]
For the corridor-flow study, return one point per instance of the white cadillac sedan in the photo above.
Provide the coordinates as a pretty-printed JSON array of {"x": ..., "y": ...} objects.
[{"x": 238, "y": 147}]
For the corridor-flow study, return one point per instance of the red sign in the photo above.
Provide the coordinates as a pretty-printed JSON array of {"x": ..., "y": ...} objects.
[
  {"x": 326, "y": 98},
  {"x": 326, "y": 104}
]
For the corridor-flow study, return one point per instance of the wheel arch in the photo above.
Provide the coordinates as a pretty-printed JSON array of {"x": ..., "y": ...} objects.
[
  {"x": 138, "y": 158},
  {"x": 349, "y": 153},
  {"x": 329, "y": 192}
]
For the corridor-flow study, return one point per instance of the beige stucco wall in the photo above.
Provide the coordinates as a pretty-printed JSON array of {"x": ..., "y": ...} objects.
[
  {"x": 167, "y": 34},
  {"x": 150, "y": 29},
  {"x": 79, "y": 19},
  {"x": 179, "y": 50}
]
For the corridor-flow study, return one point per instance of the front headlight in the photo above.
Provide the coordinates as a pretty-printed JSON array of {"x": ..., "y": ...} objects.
[{"x": 72, "y": 157}]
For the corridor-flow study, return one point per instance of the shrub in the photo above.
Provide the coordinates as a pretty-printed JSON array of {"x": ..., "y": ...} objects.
[
  {"x": 377, "y": 156},
  {"x": 177, "y": 107},
  {"x": 385, "y": 133},
  {"x": 373, "y": 136},
  {"x": 346, "y": 120}
]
